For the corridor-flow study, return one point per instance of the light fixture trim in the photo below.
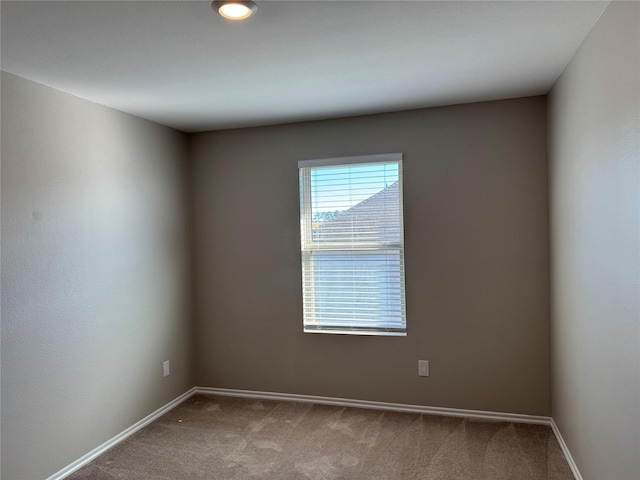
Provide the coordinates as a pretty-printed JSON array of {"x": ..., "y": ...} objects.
[{"x": 243, "y": 9}]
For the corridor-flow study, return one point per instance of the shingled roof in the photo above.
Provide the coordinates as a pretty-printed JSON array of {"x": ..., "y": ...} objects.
[{"x": 375, "y": 219}]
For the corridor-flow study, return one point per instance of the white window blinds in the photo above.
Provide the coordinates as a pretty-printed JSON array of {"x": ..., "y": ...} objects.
[{"x": 353, "y": 245}]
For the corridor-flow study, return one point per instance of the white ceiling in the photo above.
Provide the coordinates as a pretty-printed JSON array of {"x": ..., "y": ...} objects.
[{"x": 180, "y": 64}]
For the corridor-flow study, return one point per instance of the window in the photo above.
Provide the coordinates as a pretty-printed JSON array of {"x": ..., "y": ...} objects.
[{"x": 353, "y": 245}]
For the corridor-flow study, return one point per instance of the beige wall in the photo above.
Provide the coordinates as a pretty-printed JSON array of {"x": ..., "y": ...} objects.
[
  {"x": 594, "y": 130},
  {"x": 477, "y": 264},
  {"x": 95, "y": 275}
]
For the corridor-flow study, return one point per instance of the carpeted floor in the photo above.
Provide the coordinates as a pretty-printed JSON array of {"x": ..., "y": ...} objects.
[{"x": 223, "y": 438}]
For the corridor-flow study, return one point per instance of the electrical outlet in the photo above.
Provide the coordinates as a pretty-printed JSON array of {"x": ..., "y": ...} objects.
[
  {"x": 423, "y": 368},
  {"x": 165, "y": 369}
]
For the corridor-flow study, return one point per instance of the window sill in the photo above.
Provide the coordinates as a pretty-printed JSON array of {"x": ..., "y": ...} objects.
[{"x": 340, "y": 331}]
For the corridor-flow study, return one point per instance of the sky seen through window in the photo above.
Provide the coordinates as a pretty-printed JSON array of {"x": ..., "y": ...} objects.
[{"x": 340, "y": 188}]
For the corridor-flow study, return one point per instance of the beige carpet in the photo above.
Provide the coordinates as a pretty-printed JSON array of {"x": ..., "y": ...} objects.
[{"x": 231, "y": 438}]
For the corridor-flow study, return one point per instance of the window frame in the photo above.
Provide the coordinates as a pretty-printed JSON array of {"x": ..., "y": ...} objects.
[{"x": 308, "y": 246}]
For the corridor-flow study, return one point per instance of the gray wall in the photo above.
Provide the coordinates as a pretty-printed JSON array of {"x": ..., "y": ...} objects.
[
  {"x": 477, "y": 265},
  {"x": 95, "y": 275},
  {"x": 594, "y": 130}
]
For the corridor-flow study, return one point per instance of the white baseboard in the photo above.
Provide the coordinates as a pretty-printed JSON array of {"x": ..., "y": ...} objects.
[
  {"x": 396, "y": 407},
  {"x": 342, "y": 402},
  {"x": 69, "y": 469},
  {"x": 565, "y": 450}
]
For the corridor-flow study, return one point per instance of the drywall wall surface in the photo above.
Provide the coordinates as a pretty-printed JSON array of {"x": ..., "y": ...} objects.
[
  {"x": 95, "y": 275},
  {"x": 476, "y": 239},
  {"x": 595, "y": 231},
  {"x": 594, "y": 137}
]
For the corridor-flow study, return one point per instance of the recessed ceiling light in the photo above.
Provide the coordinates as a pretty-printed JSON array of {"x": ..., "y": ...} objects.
[{"x": 235, "y": 10}]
